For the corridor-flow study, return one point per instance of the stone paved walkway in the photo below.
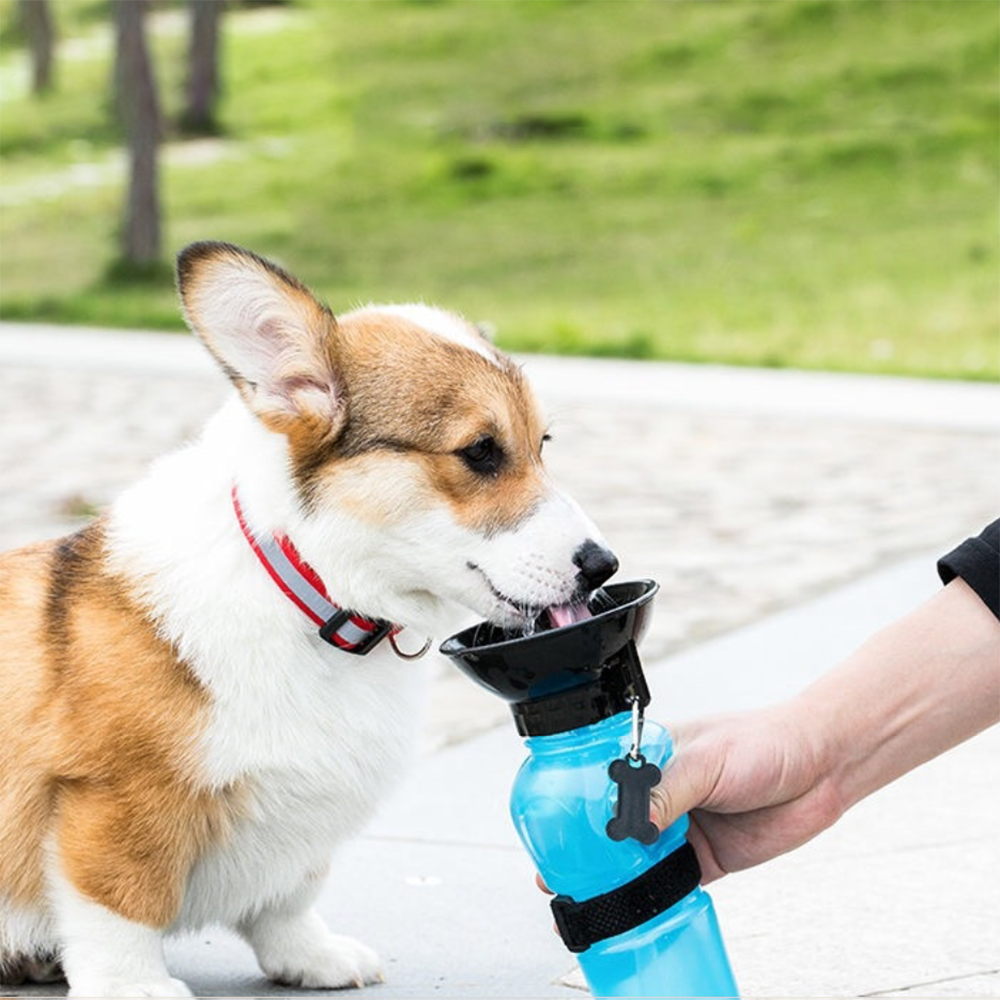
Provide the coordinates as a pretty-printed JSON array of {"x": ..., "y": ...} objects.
[{"x": 741, "y": 492}]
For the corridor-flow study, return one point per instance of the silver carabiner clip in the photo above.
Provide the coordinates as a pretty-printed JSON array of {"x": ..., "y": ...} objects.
[{"x": 637, "y": 720}]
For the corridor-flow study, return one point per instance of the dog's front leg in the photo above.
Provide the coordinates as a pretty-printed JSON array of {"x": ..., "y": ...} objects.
[
  {"x": 117, "y": 868},
  {"x": 105, "y": 954},
  {"x": 294, "y": 946}
]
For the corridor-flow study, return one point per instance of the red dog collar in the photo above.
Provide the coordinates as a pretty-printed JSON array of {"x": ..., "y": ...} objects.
[{"x": 300, "y": 583}]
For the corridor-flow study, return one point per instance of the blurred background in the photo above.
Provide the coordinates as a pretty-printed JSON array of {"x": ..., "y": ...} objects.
[
  {"x": 803, "y": 183},
  {"x": 775, "y": 184}
]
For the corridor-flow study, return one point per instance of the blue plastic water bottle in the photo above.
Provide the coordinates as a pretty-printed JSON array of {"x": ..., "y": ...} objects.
[{"x": 628, "y": 899}]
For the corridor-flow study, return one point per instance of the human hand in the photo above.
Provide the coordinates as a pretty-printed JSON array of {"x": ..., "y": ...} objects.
[{"x": 754, "y": 785}]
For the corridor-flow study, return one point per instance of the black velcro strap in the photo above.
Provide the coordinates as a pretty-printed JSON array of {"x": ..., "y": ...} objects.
[{"x": 628, "y": 906}]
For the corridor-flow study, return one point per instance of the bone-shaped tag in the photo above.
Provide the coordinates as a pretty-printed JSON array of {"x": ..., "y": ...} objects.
[{"x": 635, "y": 782}]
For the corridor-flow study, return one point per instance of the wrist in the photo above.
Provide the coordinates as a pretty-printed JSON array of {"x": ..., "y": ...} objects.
[{"x": 822, "y": 749}]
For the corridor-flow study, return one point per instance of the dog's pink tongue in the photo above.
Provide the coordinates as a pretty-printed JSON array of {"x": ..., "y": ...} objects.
[{"x": 567, "y": 614}]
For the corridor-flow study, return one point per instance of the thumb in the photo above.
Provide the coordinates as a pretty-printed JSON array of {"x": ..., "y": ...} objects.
[{"x": 685, "y": 785}]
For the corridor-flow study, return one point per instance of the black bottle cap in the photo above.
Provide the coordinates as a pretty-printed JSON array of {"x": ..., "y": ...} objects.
[{"x": 558, "y": 679}]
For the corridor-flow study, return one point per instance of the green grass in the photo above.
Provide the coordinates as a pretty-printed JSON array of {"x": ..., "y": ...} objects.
[{"x": 805, "y": 184}]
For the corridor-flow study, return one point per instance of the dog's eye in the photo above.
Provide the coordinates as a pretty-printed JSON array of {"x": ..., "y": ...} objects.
[{"x": 483, "y": 456}]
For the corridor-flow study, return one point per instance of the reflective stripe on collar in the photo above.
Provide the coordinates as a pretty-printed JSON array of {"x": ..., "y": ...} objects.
[{"x": 300, "y": 583}]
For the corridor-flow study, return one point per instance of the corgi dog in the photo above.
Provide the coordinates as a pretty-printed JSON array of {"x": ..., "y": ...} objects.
[{"x": 203, "y": 691}]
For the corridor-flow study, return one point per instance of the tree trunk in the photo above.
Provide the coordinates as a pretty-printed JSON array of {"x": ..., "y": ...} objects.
[
  {"x": 141, "y": 117},
  {"x": 36, "y": 18},
  {"x": 202, "y": 90}
]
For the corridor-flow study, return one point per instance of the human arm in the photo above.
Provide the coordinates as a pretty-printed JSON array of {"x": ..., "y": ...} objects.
[{"x": 761, "y": 783}]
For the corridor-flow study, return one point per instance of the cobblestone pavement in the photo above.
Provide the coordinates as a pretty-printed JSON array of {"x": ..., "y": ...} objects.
[{"x": 736, "y": 513}]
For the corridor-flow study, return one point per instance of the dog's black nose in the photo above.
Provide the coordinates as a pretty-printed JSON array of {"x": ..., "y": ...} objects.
[{"x": 596, "y": 563}]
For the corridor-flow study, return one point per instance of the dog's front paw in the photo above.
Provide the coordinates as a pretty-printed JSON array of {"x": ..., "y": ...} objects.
[
  {"x": 328, "y": 962},
  {"x": 165, "y": 987}
]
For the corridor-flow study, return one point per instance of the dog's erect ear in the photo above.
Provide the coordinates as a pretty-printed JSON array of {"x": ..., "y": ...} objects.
[{"x": 267, "y": 331}]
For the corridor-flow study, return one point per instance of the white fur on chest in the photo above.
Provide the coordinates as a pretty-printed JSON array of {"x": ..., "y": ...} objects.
[
  {"x": 311, "y": 761},
  {"x": 305, "y": 738}
]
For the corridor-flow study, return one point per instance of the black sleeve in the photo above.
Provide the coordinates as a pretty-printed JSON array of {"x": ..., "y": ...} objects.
[{"x": 977, "y": 562}]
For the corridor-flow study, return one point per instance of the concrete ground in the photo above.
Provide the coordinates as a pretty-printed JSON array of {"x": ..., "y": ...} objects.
[{"x": 786, "y": 515}]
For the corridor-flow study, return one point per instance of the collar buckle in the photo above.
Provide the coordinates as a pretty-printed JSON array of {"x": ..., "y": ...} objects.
[{"x": 351, "y": 633}]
